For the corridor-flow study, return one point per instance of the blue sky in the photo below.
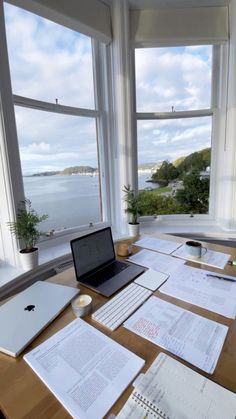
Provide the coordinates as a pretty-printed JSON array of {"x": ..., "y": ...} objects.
[{"x": 48, "y": 61}]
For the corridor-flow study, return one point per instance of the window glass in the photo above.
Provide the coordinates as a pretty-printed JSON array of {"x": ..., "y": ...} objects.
[
  {"x": 174, "y": 165},
  {"x": 60, "y": 167},
  {"x": 48, "y": 62},
  {"x": 173, "y": 79}
]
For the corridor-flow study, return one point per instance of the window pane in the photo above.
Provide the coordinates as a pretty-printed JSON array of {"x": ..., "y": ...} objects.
[
  {"x": 59, "y": 161},
  {"x": 48, "y": 61},
  {"x": 176, "y": 78},
  {"x": 184, "y": 145}
]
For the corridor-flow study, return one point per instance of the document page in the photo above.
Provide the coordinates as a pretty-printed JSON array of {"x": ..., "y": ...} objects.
[
  {"x": 157, "y": 261},
  {"x": 170, "y": 389},
  {"x": 185, "y": 334},
  {"x": 159, "y": 245},
  {"x": 85, "y": 370},
  {"x": 197, "y": 286},
  {"x": 211, "y": 258}
]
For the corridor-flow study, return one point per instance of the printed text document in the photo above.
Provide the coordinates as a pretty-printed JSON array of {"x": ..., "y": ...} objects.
[{"x": 84, "y": 369}]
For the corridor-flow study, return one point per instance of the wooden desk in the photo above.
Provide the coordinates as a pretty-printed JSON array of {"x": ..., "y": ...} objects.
[{"x": 23, "y": 395}]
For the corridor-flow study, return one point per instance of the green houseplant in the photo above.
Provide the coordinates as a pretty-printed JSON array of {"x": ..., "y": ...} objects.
[
  {"x": 25, "y": 228},
  {"x": 132, "y": 208}
]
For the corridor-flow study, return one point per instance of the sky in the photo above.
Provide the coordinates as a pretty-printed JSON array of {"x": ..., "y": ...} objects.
[{"x": 49, "y": 62}]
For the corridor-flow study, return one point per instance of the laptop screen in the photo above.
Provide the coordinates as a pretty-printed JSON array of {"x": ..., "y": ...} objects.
[{"x": 92, "y": 251}]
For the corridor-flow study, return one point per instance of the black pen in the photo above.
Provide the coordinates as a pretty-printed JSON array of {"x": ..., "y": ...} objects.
[{"x": 222, "y": 277}]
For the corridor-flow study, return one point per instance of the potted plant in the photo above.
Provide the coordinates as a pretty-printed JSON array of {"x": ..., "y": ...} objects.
[
  {"x": 132, "y": 208},
  {"x": 25, "y": 229}
]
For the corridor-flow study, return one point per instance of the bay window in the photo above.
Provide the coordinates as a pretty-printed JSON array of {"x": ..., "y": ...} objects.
[
  {"x": 53, "y": 135},
  {"x": 57, "y": 116},
  {"x": 174, "y": 110}
]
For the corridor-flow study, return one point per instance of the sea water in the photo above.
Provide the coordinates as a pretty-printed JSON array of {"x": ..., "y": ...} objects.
[{"x": 68, "y": 201}]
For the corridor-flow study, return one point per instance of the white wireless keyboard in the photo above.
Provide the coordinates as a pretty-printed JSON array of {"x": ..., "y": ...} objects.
[{"x": 118, "y": 309}]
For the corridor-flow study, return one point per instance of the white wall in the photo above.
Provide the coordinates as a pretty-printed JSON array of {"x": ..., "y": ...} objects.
[{"x": 227, "y": 180}]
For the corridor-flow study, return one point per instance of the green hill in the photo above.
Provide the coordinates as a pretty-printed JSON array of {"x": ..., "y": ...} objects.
[
  {"x": 78, "y": 170},
  {"x": 197, "y": 161},
  {"x": 73, "y": 170},
  {"x": 194, "y": 162}
]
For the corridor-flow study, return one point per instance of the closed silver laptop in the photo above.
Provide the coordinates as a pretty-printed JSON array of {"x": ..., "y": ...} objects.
[{"x": 24, "y": 316}]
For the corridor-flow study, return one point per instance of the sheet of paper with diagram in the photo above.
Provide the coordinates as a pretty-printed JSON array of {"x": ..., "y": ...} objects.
[
  {"x": 187, "y": 335},
  {"x": 212, "y": 291}
]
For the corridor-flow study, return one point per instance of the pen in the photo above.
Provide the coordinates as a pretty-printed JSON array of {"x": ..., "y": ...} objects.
[{"x": 222, "y": 277}]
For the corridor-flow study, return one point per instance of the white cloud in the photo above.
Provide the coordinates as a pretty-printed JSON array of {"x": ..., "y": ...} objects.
[
  {"x": 49, "y": 62},
  {"x": 178, "y": 77},
  {"x": 196, "y": 132},
  {"x": 59, "y": 140},
  {"x": 35, "y": 148},
  {"x": 26, "y": 156},
  {"x": 170, "y": 139}
]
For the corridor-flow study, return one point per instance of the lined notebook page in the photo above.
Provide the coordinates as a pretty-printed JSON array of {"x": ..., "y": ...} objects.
[{"x": 172, "y": 390}]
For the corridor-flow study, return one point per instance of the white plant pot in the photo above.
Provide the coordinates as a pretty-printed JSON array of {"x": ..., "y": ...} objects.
[
  {"x": 29, "y": 260},
  {"x": 133, "y": 229}
]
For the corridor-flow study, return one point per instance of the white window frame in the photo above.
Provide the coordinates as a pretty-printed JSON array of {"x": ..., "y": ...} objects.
[
  {"x": 213, "y": 111},
  {"x": 11, "y": 186}
]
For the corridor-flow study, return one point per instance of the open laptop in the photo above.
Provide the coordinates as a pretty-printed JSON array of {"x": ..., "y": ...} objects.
[
  {"x": 24, "y": 316},
  {"x": 96, "y": 266}
]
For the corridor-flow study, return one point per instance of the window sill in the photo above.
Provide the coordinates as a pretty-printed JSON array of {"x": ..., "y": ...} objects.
[
  {"x": 56, "y": 251},
  {"x": 201, "y": 225}
]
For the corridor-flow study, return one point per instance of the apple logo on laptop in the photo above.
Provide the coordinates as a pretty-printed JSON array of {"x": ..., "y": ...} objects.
[{"x": 29, "y": 308}]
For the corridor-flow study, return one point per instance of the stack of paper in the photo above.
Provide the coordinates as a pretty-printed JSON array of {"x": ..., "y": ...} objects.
[{"x": 191, "y": 337}]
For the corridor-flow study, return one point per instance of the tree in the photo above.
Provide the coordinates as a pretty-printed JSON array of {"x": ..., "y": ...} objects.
[
  {"x": 150, "y": 204},
  {"x": 197, "y": 161},
  {"x": 167, "y": 172},
  {"x": 195, "y": 195}
]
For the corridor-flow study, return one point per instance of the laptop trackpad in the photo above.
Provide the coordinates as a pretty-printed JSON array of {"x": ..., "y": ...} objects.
[{"x": 118, "y": 281}]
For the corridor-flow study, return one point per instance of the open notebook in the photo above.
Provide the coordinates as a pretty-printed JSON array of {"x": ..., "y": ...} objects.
[{"x": 171, "y": 390}]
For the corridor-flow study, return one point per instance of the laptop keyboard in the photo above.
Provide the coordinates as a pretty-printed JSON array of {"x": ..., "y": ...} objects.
[
  {"x": 107, "y": 273},
  {"x": 113, "y": 313}
]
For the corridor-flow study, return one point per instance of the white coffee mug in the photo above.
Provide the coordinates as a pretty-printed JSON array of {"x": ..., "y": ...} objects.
[{"x": 195, "y": 249}]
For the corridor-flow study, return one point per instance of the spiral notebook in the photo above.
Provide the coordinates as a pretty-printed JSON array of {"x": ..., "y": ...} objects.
[{"x": 170, "y": 390}]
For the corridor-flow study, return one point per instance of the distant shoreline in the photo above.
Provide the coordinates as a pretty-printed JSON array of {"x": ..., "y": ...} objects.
[{"x": 84, "y": 173}]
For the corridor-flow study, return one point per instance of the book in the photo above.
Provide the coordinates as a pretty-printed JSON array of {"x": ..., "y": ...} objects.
[
  {"x": 86, "y": 370},
  {"x": 170, "y": 390}
]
